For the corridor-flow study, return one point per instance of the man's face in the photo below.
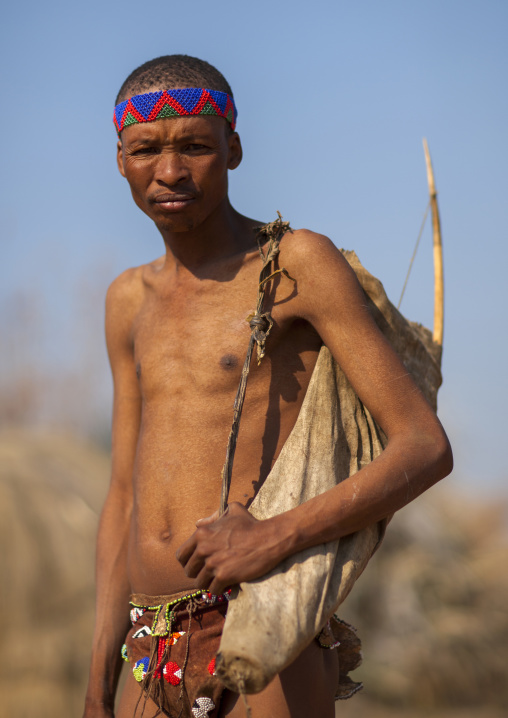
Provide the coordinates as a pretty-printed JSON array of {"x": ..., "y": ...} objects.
[{"x": 177, "y": 168}]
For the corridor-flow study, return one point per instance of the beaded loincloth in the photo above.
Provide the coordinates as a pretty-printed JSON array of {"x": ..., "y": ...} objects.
[
  {"x": 174, "y": 640},
  {"x": 172, "y": 646}
]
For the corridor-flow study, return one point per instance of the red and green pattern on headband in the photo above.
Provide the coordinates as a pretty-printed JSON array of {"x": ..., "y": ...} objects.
[{"x": 174, "y": 103}]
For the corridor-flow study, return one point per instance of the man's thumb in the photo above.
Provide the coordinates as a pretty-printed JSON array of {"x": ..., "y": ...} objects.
[{"x": 208, "y": 519}]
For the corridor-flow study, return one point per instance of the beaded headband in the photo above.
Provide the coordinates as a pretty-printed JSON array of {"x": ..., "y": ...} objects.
[{"x": 174, "y": 103}]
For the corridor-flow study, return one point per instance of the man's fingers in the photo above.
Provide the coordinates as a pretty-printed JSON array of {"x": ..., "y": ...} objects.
[
  {"x": 205, "y": 579},
  {"x": 214, "y": 545},
  {"x": 217, "y": 587},
  {"x": 194, "y": 566},
  {"x": 190, "y": 559},
  {"x": 195, "y": 557},
  {"x": 185, "y": 551},
  {"x": 208, "y": 519}
]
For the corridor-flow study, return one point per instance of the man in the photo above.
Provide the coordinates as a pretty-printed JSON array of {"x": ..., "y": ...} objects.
[{"x": 177, "y": 336}]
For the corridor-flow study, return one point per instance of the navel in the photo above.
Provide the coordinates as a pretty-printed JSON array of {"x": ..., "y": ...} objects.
[
  {"x": 229, "y": 361},
  {"x": 138, "y": 370}
]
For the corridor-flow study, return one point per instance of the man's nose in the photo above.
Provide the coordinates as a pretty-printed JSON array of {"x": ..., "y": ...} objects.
[{"x": 171, "y": 168}]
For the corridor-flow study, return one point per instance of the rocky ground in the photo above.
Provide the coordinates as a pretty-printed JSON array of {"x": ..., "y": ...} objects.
[{"x": 431, "y": 607}]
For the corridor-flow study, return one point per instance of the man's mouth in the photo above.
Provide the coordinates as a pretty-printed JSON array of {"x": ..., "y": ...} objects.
[{"x": 173, "y": 201}]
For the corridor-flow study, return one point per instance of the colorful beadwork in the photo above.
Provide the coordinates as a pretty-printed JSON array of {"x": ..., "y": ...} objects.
[
  {"x": 175, "y": 637},
  {"x": 161, "y": 647},
  {"x": 212, "y": 598},
  {"x": 202, "y": 707},
  {"x": 172, "y": 673},
  {"x": 162, "y": 622},
  {"x": 140, "y": 668},
  {"x": 184, "y": 102},
  {"x": 124, "y": 653},
  {"x": 142, "y": 632},
  {"x": 163, "y": 669},
  {"x": 136, "y": 614}
]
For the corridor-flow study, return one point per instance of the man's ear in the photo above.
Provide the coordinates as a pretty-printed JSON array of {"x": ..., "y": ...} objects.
[
  {"x": 235, "y": 151},
  {"x": 119, "y": 158}
]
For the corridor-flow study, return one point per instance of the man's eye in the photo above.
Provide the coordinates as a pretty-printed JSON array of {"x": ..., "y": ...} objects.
[
  {"x": 195, "y": 147},
  {"x": 146, "y": 151}
]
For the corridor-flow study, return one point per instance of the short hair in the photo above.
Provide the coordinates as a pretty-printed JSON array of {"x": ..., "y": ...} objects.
[{"x": 171, "y": 72}]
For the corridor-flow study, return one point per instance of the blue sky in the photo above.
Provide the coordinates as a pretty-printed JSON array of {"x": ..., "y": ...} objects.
[{"x": 334, "y": 99}]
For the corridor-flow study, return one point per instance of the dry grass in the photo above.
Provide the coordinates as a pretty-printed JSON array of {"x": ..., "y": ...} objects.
[
  {"x": 51, "y": 490},
  {"x": 432, "y": 607}
]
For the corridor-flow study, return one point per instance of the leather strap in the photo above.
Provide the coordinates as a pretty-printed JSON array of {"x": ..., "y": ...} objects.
[{"x": 260, "y": 324}]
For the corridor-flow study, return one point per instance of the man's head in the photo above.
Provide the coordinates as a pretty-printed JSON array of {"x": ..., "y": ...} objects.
[
  {"x": 175, "y": 153},
  {"x": 174, "y": 85},
  {"x": 170, "y": 71}
]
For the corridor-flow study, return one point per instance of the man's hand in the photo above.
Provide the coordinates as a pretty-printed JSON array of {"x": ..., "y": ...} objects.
[{"x": 235, "y": 547}]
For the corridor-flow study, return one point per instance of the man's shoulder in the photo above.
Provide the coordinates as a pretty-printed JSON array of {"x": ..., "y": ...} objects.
[
  {"x": 326, "y": 285},
  {"x": 130, "y": 285},
  {"x": 308, "y": 252}
]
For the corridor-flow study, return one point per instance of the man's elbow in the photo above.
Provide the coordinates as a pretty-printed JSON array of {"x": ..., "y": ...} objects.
[{"x": 440, "y": 454}]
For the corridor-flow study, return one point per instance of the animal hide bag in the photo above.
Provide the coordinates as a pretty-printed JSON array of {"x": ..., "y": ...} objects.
[{"x": 272, "y": 619}]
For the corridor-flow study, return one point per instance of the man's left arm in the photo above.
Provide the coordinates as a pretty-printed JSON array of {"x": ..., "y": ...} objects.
[{"x": 236, "y": 547}]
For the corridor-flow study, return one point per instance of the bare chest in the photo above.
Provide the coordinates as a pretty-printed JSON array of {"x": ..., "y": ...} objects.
[{"x": 192, "y": 342}]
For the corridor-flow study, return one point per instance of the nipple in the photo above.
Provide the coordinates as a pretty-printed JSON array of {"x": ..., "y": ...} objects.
[{"x": 229, "y": 361}]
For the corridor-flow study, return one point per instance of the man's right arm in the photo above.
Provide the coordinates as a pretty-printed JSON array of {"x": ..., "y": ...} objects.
[{"x": 112, "y": 586}]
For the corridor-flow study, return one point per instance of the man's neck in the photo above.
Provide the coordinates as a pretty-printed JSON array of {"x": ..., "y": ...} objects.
[{"x": 225, "y": 233}]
